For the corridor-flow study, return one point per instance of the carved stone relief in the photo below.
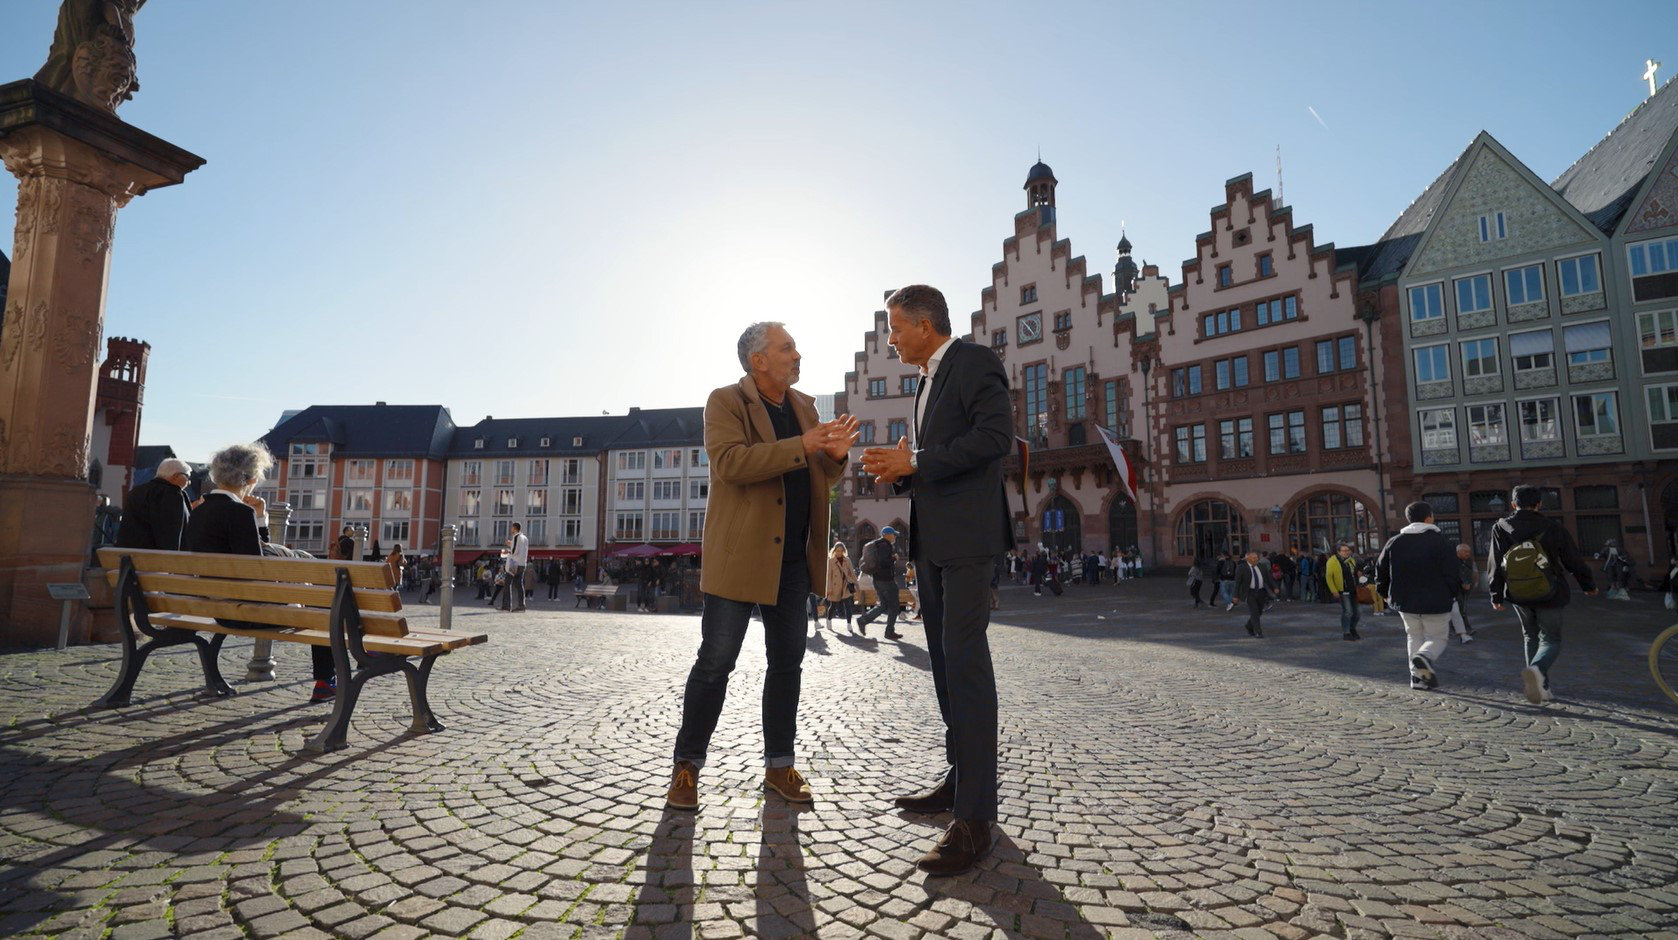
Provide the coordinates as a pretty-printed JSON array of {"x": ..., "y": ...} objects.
[
  {"x": 92, "y": 224},
  {"x": 75, "y": 343},
  {"x": 30, "y": 332}
]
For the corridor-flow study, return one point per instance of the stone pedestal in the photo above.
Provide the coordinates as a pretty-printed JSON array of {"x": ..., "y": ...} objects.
[{"x": 76, "y": 166}]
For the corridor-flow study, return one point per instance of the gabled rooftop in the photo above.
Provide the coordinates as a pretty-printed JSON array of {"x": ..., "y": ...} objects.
[
  {"x": 377, "y": 430},
  {"x": 1603, "y": 182}
]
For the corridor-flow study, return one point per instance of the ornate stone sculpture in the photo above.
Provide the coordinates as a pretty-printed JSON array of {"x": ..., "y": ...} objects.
[{"x": 92, "y": 55}]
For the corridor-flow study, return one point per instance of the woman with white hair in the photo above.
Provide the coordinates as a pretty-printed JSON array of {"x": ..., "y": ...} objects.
[{"x": 227, "y": 522}]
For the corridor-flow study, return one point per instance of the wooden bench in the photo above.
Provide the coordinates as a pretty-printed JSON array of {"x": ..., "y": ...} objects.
[
  {"x": 597, "y": 595},
  {"x": 350, "y": 606}
]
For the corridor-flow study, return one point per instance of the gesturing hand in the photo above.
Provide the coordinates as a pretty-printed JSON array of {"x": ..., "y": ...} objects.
[
  {"x": 888, "y": 464},
  {"x": 841, "y": 435}
]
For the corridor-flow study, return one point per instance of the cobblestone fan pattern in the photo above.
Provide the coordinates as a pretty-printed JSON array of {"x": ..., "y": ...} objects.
[{"x": 1163, "y": 775}]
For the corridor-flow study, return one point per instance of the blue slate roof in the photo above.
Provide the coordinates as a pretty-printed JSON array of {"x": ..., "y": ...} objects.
[
  {"x": 661, "y": 426},
  {"x": 378, "y": 430},
  {"x": 595, "y": 431},
  {"x": 1387, "y": 257},
  {"x": 1603, "y": 182}
]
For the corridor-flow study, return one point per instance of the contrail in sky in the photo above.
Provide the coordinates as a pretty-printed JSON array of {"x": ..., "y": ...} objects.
[{"x": 1317, "y": 116}]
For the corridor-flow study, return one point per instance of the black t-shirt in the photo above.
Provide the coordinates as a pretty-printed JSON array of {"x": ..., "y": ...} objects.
[{"x": 795, "y": 482}]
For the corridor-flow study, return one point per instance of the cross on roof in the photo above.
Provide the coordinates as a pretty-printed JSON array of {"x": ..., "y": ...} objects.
[{"x": 1649, "y": 73}]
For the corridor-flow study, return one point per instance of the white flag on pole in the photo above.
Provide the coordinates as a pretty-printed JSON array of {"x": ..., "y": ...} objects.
[{"x": 1127, "y": 473}]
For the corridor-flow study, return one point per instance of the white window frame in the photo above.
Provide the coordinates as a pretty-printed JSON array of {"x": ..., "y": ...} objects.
[
  {"x": 1515, "y": 360},
  {"x": 1493, "y": 226},
  {"x": 1609, "y": 349},
  {"x": 1667, "y": 403},
  {"x": 1496, "y": 357},
  {"x": 1561, "y": 282},
  {"x": 1410, "y": 298},
  {"x": 1491, "y": 292},
  {"x": 1523, "y": 270},
  {"x": 396, "y": 531},
  {"x": 1579, "y": 430},
  {"x": 1671, "y": 314},
  {"x": 1555, "y": 419},
  {"x": 1487, "y": 408},
  {"x": 1422, "y": 423},
  {"x": 1415, "y": 363},
  {"x": 1643, "y": 246}
]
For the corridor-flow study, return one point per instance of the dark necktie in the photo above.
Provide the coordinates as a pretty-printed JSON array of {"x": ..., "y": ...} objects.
[{"x": 1256, "y": 583}]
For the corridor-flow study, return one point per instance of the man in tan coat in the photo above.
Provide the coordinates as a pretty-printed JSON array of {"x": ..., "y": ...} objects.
[{"x": 773, "y": 461}]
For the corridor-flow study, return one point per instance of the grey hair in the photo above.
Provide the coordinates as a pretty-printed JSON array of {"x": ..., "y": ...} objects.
[
  {"x": 240, "y": 465},
  {"x": 755, "y": 340},
  {"x": 1463, "y": 545}
]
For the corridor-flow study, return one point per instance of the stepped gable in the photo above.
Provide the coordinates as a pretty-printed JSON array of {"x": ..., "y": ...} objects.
[{"x": 1603, "y": 183}]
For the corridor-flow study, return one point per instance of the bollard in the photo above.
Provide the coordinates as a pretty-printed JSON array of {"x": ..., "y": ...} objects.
[
  {"x": 360, "y": 551},
  {"x": 261, "y": 666},
  {"x": 445, "y": 596}
]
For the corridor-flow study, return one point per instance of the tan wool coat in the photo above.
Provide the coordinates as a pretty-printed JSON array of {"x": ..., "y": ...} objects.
[
  {"x": 839, "y": 574},
  {"x": 745, "y": 517}
]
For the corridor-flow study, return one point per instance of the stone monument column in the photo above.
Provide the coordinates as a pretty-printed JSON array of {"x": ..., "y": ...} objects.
[{"x": 76, "y": 166}]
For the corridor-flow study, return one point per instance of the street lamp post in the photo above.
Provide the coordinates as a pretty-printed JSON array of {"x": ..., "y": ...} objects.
[
  {"x": 1370, "y": 315},
  {"x": 1147, "y": 453}
]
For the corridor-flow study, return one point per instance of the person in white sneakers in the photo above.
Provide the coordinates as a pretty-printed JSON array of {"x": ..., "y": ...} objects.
[
  {"x": 1529, "y": 551},
  {"x": 1418, "y": 574}
]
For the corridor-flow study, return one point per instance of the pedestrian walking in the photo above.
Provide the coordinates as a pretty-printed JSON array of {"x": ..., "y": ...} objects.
[
  {"x": 773, "y": 463},
  {"x": 1289, "y": 563},
  {"x": 1039, "y": 572},
  {"x": 154, "y": 514},
  {"x": 1340, "y": 574},
  {"x": 1467, "y": 578},
  {"x": 1226, "y": 580},
  {"x": 1418, "y": 570},
  {"x": 1196, "y": 577},
  {"x": 879, "y": 562},
  {"x": 840, "y": 584},
  {"x": 1307, "y": 577},
  {"x": 958, "y": 513},
  {"x": 554, "y": 579},
  {"x": 1255, "y": 586},
  {"x": 1529, "y": 551},
  {"x": 518, "y": 558}
]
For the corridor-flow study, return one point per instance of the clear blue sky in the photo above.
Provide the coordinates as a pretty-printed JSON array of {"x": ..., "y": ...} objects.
[{"x": 527, "y": 207}]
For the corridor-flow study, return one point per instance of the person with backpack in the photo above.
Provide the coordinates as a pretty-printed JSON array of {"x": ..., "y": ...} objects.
[
  {"x": 1417, "y": 569},
  {"x": 1340, "y": 576},
  {"x": 879, "y": 561},
  {"x": 1226, "y": 580},
  {"x": 1524, "y": 569}
]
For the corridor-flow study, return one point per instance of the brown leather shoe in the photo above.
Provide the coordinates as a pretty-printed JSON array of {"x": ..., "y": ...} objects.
[
  {"x": 939, "y": 799},
  {"x": 684, "y": 787},
  {"x": 961, "y": 847},
  {"x": 789, "y": 783}
]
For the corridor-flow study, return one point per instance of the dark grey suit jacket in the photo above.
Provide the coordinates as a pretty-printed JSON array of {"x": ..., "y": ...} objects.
[
  {"x": 958, "y": 504},
  {"x": 1244, "y": 578}
]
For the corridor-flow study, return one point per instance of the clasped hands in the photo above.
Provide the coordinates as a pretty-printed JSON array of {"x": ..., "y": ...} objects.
[
  {"x": 888, "y": 464},
  {"x": 833, "y": 438}
]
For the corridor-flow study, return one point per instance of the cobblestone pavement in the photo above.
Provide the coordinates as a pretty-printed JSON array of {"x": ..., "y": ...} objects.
[{"x": 1163, "y": 775}]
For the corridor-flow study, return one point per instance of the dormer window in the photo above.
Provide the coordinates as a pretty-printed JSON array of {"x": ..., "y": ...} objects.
[
  {"x": 577, "y": 441},
  {"x": 478, "y": 443},
  {"x": 547, "y": 442},
  {"x": 512, "y": 442}
]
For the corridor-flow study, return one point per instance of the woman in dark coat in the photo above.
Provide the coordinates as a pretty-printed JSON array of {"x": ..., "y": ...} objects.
[{"x": 226, "y": 522}]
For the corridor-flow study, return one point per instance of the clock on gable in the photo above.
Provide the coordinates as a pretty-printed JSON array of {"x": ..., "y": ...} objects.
[{"x": 1030, "y": 328}]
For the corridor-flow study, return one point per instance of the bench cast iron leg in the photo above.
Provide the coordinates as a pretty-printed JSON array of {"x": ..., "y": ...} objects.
[
  {"x": 209, "y": 654},
  {"x": 122, "y": 690},
  {"x": 424, "y": 720}
]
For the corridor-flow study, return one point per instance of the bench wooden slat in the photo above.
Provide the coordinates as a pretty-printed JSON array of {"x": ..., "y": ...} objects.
[
  {"x": 449, "y": 638},
  {"x": 363, "y": 574},
  {"x": 312, "y": 595},
  {"x": 307, "y": 618},
  {"x": 399, "y": 645}
]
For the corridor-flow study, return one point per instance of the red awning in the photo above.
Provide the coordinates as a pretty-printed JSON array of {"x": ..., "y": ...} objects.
[
  {"x": 636, "y": 551},
  {"x": 565, "y": 553},
  {"x": 685, "y": 550},
  {"x": 470, "y": 555}
]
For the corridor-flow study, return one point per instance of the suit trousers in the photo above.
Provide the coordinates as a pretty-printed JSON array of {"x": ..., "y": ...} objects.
[
  {"x": 1255, "y": 609},
  {"x": 955, "y": 609}
]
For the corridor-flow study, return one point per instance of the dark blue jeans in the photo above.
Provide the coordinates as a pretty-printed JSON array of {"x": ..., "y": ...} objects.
[
  {"x": 1541, "y": 635},
  {"x": 723, "y": 629},
  {"x": 1348, "y": 612}
]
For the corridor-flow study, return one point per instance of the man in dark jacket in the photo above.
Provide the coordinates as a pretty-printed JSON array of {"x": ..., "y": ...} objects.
[
  {"x": 1255, "y": 585},
  {"x": 1226, "y": 580},
  {"x": 1540, "y": 620},
  {"x": 1417, "y": 572},
  {"x": 154, "y": 514},
  {"x": 880, "y": 556}
]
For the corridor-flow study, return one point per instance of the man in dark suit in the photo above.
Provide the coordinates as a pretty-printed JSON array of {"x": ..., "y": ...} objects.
[
  {"x": 1255, "y": 586},
  {"x": 154, "y": 514},
  {"x": 958, "y": 524}
]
